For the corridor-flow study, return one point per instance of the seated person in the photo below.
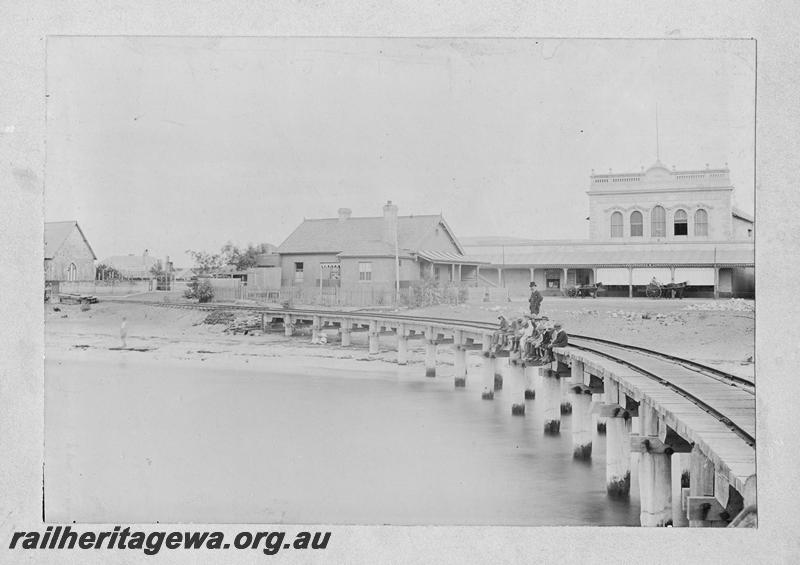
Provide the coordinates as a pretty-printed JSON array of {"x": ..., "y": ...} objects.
[
  {"x": 559, "y": 339},
  {"x": 547, "y": 336},
  {"x": 516, "y": 333},
  {"x": 525, "y": 337},
  {"x": 501, "y": 336},
  {"x": 537, "y": 352}
]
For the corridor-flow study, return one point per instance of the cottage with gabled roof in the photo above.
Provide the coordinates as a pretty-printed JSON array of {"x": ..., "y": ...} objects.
[
  {"x": 67, "y": 253},
  {"x": 132, "y": 266},
  {"x": 361, "y": 253}
]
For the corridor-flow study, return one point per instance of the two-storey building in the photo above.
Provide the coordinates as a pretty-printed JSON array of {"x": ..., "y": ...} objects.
[
  {"x": 659, "y": 205},
  {"x": 675, "y": 226}
]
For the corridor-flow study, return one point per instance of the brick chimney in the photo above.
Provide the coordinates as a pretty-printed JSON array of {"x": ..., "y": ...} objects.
[
  {"x": 344, "y": 213},
  {"x": 389, "y": 222}
]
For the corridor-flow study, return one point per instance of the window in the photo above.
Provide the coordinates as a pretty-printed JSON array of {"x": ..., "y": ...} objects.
[
  {"x": 637, "y": 225},
  {"x": 298, "y": 272},
  {"x": 658, "y": 222},
  {"x": 616, "y": 224},
  {"x": 364, "y": 271},
  {"x": 701, "y": 222},
  {"x": 681, "y": 223},
  {"x": 72, "y": 272}
]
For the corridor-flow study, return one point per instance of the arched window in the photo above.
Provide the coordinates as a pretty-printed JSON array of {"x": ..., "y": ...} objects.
[
  {"x": 616, "y": 224},
  {"x": 72, "y": 272},
  {"x": 658, "y": 222},
  {"x": 701, "y": 222},
  {"x": 637, "y": 225},
  {"x": 681, "y": 223}
]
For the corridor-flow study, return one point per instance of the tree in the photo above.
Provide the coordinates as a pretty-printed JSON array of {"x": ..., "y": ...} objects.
[
  {"x": 105, "y": 272},
  {"x": 205, "y": 263},
  {"x": 230, "y": 254},
  {"x": 242, "y": 259},
  {"x": 157, "y": 270}
]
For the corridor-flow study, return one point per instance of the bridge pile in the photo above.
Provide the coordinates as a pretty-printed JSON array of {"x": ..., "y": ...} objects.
[{"x": 691, "y": 427}]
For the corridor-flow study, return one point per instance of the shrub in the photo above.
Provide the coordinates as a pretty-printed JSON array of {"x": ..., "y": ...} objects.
[
  {"x": 201, "y": 290},
  {"x": 428, "y": 292}
]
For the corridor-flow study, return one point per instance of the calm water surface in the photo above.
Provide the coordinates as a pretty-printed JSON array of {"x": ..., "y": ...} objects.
[{"x": 350, "y": 443}]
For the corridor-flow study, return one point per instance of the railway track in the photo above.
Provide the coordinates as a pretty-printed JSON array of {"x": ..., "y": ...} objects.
[{"x": 728, "y": 397}]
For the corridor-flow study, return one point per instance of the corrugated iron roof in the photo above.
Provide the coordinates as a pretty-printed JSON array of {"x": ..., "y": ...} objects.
[
  {"x": 448, "y": 257},
  {"x": 55, "y": 233},
  {"x": 332, "y": 235},
  {"x": 589, "y": 254}
]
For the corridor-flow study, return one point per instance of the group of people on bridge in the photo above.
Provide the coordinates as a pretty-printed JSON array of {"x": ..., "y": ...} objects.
[{"x": 532, "y": 337}]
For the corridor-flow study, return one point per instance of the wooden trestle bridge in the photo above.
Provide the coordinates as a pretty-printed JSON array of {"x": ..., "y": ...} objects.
[{"x": 691, "y": 426}]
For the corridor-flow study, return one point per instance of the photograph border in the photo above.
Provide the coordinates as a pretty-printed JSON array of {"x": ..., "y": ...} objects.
[{"x": 776, "y": 207}]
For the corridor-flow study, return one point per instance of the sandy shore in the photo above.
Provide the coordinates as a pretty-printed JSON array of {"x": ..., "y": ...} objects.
[
  {"x": 719, "y": 333},
  {"x": 168, "y": 335}
]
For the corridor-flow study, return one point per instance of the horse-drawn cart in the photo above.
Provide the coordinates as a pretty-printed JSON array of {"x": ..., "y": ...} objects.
[
  {"x": 584, "y": 290},
  {"x": 669, "y": 290}
]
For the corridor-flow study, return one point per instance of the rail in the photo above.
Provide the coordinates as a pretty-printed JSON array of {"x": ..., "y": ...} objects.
[
  {"x": 683, "y": 391},
  {"x": 442, "y": 321},
  {"x": 711, "y": 411}
]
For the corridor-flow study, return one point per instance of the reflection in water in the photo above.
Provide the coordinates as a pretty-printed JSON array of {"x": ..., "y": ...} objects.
[{"x": 368, "y": 444}]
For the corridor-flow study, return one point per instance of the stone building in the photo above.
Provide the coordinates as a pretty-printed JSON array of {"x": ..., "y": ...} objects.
[
  {"x": 659, "y": 205},
  {"x": 676, "y": 226},
  {"x": 67, "y": 253}
]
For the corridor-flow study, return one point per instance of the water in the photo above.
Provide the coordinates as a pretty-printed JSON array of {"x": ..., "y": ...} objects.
[{"x": 350, "y": 443}]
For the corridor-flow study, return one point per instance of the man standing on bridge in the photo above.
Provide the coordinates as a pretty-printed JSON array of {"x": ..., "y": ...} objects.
[{"x": 535, "y": 300}]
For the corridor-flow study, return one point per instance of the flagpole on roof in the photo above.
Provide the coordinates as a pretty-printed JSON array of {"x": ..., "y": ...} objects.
[
  {"x": 658, "y": 148},
  {"x": 396, "y": 264}
]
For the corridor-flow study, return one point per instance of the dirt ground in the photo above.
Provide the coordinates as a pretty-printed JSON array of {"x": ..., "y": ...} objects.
[{"x": 718, "y": 333}]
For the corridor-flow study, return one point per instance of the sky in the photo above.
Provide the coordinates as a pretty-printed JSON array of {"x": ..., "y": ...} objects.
[{"x": 177, "y": 143}]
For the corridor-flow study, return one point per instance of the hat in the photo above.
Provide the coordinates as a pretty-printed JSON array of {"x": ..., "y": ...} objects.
[{"x": 532, "y": 284}]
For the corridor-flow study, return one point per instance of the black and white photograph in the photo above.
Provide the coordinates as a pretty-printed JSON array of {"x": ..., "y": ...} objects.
[
  {"x": 349, "y": 282},
  {"x": 400, "y": 281}
]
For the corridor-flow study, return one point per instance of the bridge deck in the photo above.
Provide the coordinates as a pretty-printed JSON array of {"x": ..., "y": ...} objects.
[
  {"x": 736, "y": 403},
  {"x": 733, "y": 458}
]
